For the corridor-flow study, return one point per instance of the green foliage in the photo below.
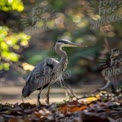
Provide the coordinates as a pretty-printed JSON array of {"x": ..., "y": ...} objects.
[
  {"x": 58, "y": 4},
  {"x": 61, "y": 19},
  {"x": 34, "y": 56},
  {"x": 7, "y": 5},
  {"x": 10, "y": 43}
]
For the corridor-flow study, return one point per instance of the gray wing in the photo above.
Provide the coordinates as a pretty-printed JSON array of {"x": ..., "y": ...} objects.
[{"x": 39, "y": 76}]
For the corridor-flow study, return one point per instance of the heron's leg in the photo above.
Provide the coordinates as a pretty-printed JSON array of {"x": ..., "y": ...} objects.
[
  {"x": 65, "y": 88},
  {"x": 38, "y": 97},
  {"x": 48, "y": 92},
  {"x": 22, "y": 99},
  {"x": 68, "y": 89}
]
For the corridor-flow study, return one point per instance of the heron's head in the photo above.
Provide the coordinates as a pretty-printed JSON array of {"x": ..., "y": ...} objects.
[{"x": 67, "y": 43}]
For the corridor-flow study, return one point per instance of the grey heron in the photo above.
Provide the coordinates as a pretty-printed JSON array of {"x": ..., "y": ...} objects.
[{"x": 48, "y": 71}]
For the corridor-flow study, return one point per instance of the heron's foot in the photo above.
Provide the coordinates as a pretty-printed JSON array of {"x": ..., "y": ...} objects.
[
  {"x": 39, "y": 104},
  {"x": 38, "y": 101},
  {"x": 71, "y": 98},
  {"x": 47, "y": 100}
]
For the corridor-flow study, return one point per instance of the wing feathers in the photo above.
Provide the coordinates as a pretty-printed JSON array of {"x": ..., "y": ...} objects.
[{"x": 39, "y": 77}]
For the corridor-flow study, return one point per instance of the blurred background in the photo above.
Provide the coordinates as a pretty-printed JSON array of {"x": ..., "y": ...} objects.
[{"x": 30, "y": 28}]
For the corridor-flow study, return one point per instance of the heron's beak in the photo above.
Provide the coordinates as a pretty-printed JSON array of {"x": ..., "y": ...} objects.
[{"x": 71, "y": 44}]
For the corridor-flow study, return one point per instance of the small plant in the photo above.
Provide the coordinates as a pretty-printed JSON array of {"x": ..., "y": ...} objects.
[{"x": 10, "y": 45}]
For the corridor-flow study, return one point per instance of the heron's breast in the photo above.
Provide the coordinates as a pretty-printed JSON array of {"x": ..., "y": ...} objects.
[{"x": 57, "y": 75}]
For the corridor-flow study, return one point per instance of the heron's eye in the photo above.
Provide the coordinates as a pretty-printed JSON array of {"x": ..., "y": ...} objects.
[{"x": 62, "y": 42}]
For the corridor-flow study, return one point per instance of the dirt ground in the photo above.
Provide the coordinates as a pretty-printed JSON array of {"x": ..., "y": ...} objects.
[{"x": 12, "y": 94}]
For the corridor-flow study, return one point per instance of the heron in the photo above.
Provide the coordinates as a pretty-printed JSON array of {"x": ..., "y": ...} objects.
[{"x": 48, "y": 71}]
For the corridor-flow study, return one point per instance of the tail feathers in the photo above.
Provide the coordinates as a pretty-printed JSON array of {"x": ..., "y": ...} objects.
[{"x": 26, "y": 92}]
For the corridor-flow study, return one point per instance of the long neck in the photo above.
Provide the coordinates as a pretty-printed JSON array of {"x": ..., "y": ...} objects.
[{"x": 62, "y": 54}]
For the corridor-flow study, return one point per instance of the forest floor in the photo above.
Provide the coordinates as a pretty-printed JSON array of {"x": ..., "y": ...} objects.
[{"x": 100, "y": 107}]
